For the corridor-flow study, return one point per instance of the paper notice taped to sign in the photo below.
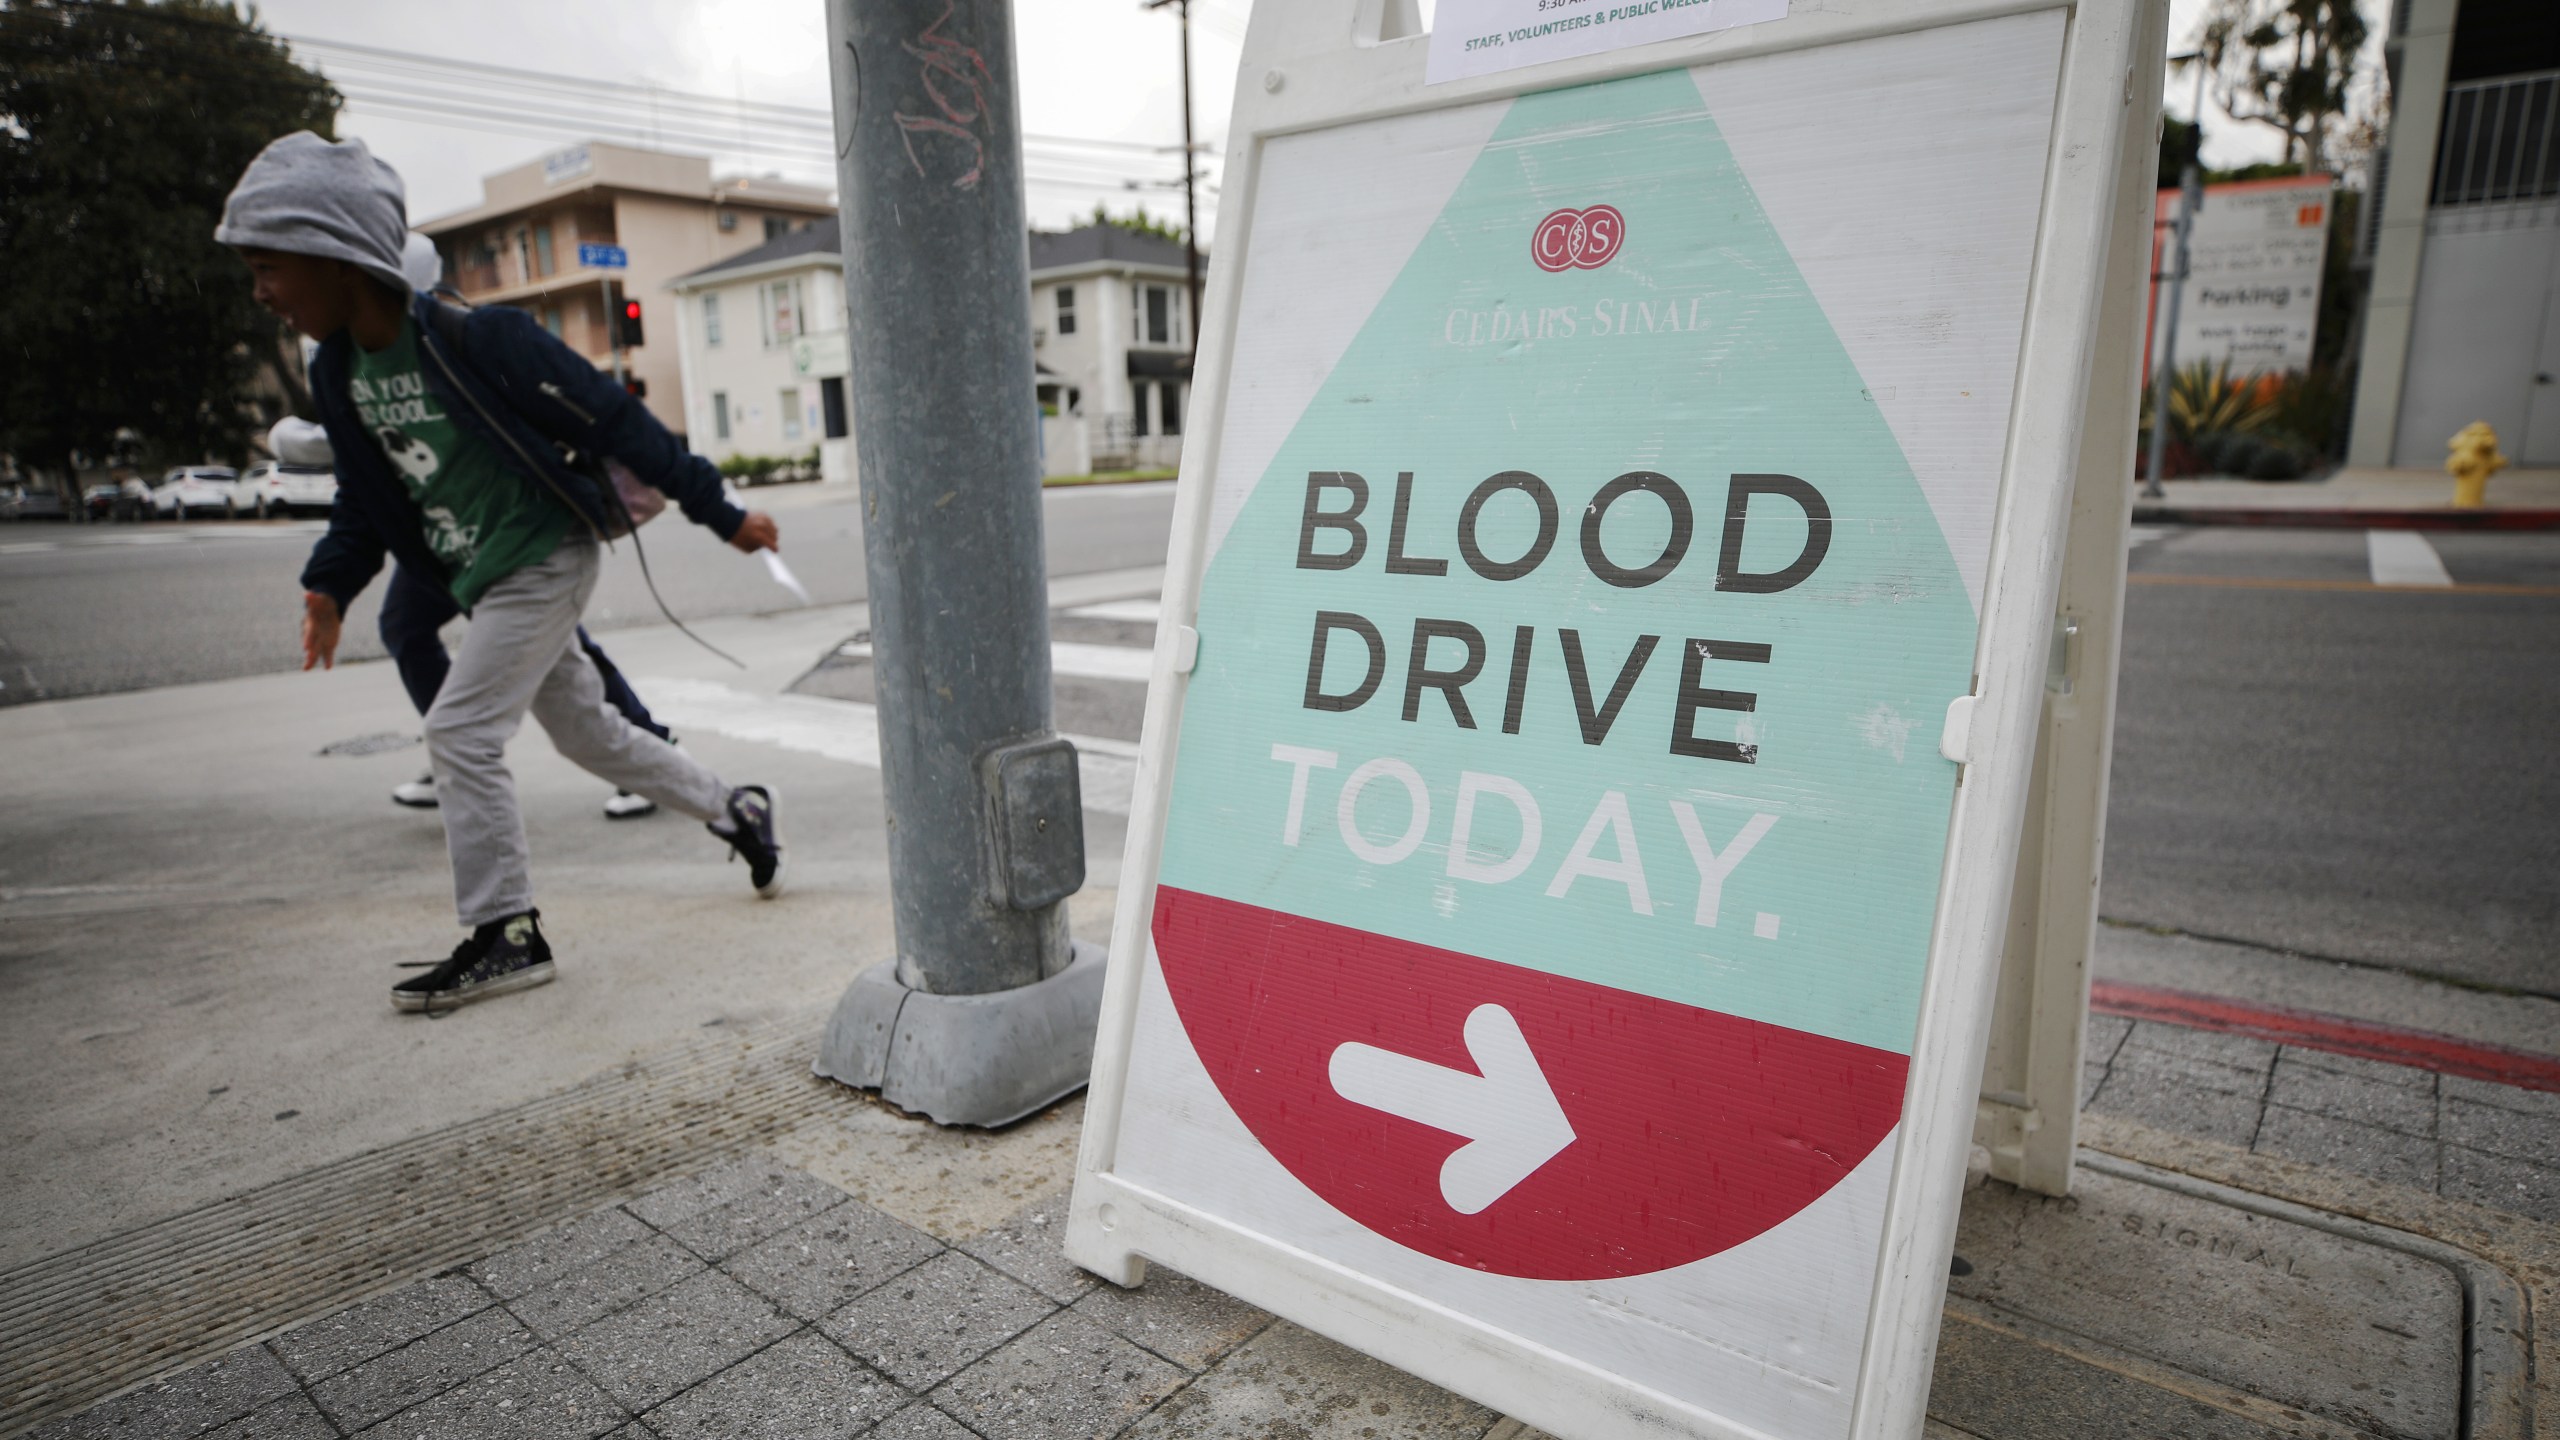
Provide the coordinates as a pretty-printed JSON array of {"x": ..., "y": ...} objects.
[{"x": 1485, "y": 37}]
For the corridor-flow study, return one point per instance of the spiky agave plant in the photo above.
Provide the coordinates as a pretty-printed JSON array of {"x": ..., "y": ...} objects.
[{"x": 2205, "y": 400}]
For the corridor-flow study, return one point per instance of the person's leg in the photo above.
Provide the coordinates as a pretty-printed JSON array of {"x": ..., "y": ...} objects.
[
  {"x": 618, "y": 691},
  {"x": 572, "y": 707},
  {"x": 413, "y": 611},
  {"x": 521, "y": 631}
]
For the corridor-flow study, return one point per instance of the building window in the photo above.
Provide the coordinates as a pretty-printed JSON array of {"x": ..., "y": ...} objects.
[
  {"x": 784, "y": 308},
  {"x": 524, "y": 256},
  {"x": 1155, "y": 315},
  {"x": 728, "y": 220},
  {"x": 831, "y": 401},
  {"x": 542, "y": 254},
  {"x": 791, "y": 413},
  {"x": 720, "y": 414},
  {"x": 1138, "y": 410},
  {"x": 775, "y": 227},
  {"x": 1169, "y": 395},
  {"x": 1066, "y": 309},
  {"x": 551, "y": 320},
  {"x": 711, "y": 319}
]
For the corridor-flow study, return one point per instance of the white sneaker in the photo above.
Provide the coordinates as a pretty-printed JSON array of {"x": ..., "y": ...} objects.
[
  {"x": 418, "y": 794},
  {"x": 626, "y": 806}
]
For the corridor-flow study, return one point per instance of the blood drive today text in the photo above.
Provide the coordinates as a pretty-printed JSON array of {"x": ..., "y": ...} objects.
[{"x": 1444, "y": 657}]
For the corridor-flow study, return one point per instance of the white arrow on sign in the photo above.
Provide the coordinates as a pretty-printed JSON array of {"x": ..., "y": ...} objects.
[{"x": 1508, "y": 1113}]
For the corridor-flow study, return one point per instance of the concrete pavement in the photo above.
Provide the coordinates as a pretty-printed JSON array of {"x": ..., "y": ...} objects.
[{"x": 2527, "y": 499}]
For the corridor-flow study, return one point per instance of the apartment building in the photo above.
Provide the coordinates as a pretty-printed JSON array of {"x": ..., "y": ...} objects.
[{"x": 669, "y": 216}]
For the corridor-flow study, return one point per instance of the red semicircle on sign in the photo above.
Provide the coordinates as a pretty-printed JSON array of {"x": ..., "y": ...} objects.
[{"x": 1693, "y": 1131}]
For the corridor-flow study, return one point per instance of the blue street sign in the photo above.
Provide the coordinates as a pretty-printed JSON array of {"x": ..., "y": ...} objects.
[{"x": 604, "y": 257}]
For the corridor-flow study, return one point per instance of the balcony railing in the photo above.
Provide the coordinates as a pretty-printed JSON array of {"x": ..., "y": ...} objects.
[{"x": 2501, "y": 141}]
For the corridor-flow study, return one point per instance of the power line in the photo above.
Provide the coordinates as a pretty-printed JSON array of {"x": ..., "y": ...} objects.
[{"x": 721, "y": 106}]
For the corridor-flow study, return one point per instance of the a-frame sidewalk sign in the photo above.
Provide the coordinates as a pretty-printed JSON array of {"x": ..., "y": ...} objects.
[{"x": 1657, "y": 485}]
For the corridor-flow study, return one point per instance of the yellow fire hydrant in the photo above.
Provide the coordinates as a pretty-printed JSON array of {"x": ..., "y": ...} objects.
[{"x": 2471, "y": 458}]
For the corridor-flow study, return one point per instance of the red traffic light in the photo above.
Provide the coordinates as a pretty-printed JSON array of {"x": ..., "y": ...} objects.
[
  {"x": 630, "y": 309},
  {"x": 627, "y": 329}
]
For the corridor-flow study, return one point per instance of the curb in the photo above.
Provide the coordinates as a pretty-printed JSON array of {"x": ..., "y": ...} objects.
[{"x": 2341, "y": 518}]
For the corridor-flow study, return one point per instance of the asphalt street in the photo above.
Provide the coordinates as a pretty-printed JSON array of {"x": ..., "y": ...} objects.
[
  {"x": 2308, "y": 761},
  {"x": 95, "y": 609}
]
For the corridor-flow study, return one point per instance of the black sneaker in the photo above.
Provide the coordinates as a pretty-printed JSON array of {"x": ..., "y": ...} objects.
[
  {"x": 500, "y": 956},
  {"x": 752, "y": 832}
]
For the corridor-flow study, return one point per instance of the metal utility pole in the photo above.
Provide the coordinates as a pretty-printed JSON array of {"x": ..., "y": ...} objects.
[
  {"x": 2190, "y": 200},
  {"x": 613, "y": 328},
  {"x": 989, "y": 1011},
  {"x": 1190, "y": 173}
]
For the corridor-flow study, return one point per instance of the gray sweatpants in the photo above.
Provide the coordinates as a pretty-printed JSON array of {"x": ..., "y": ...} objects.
[{"x": 521, "y": 653}]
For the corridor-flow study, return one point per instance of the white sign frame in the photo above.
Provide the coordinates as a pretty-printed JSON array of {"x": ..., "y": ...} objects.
[{"x": 1324, "y": 63}]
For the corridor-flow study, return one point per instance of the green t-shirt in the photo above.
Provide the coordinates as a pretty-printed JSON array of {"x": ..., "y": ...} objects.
[{"x": 484, "y": 521}]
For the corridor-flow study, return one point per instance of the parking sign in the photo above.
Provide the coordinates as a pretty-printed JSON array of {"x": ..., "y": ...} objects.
[{"x": 1617, "y": 560}]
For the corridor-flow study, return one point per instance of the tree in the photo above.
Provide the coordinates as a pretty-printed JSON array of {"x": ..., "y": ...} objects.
[
  {"x": 1138, "y": 222},
  {"x": 2286, "y": 64},
  {"x": 122, "y": 128}
]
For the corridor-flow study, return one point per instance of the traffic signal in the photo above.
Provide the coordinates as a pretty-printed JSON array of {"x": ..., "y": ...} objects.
[{"x": 628, "y": 333}]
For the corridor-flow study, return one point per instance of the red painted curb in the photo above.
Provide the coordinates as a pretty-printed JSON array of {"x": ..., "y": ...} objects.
[
  {"x": 2342, "y": 519},
  {"x": 2425, "y": 1050}
]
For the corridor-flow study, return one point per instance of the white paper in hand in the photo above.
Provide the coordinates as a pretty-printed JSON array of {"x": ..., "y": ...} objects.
[
  {"x": 773, "y": 565},
  {"x": 783, "y": 577}
]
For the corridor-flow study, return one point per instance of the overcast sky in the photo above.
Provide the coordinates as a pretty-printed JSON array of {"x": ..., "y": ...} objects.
[
  {"x": 1099, "y": 69},
  {"x": 1091, "y": 69}
]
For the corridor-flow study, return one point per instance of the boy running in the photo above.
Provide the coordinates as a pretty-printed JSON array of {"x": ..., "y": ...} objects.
[{"x": 449, "y": 457}]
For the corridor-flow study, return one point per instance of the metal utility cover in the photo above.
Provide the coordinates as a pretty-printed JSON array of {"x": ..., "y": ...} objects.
[{"x": 1553, "y": 946}]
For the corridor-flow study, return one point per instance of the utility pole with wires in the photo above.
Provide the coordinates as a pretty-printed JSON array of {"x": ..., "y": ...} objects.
[{"x": 1190, "y": 173}]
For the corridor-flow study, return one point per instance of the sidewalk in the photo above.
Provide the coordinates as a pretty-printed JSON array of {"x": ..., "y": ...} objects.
[
  {"x": 2364, "y": 498},
  {"x": 245, "y": 1199}
]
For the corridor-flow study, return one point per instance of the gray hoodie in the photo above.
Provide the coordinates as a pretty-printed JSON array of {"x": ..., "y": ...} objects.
[{"x": 329, "y": 198}]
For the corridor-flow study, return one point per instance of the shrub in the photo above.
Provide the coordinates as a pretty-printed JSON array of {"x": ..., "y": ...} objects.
[
  {"x": 2276, "y": 462},
  {"x": 2310, "y": 410}
]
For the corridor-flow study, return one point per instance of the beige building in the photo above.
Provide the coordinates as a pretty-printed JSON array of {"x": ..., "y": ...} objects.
[
  {"x": 520, "y": 246},
  {"x": 762, "y": 339}
]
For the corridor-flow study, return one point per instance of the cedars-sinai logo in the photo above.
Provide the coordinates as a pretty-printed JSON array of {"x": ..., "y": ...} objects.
[{"x": 1578, "y": 239}]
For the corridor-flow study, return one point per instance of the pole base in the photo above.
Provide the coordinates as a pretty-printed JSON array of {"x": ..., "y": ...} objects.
[{"x": 983, "y": 1060}]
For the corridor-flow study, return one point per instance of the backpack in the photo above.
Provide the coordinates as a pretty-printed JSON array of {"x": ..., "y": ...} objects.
[{"x": 629, "y": 501}]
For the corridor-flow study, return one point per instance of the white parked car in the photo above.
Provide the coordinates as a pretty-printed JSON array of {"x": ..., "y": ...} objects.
[
  {"x": 196, "y": 489},
  {"x": 274, "y": 488}
]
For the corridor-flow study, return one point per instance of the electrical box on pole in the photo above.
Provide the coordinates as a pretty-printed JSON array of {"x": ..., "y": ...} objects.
[{"x": 1611, "y": 627}]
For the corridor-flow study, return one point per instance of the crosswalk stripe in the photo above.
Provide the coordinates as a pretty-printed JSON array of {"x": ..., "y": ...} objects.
[
  {"x": 1100, "y": 662},
  {"x": 1067, "y": 657},
  {"x": 1144, "y": 612},
  {"x": 2403, "y": 557},
  {"x": 849, "y": 731}
]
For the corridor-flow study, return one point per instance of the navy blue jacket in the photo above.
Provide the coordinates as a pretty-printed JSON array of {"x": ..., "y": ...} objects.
[{"x": 518, "y": 390}]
